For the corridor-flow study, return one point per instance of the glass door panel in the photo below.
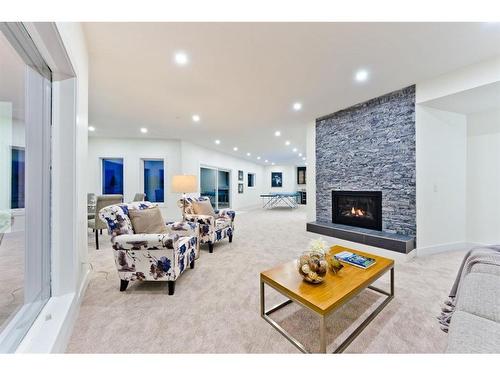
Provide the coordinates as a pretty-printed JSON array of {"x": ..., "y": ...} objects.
[
  {"x": 208, "y": 184},
  {"x": 223, "y": 190},
  {"x": 154, "y": 180}
]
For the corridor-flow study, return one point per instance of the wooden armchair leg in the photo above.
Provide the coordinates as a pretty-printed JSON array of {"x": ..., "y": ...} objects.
[
  {"x": 230, "y": 238},
  {"x": 97, "y": 239},
  {"x": 191, "y": 265},
  {"x": 210, "y": 247},
  {"x": 123, "y": 285},
  {"x": 171, "y": 287}
]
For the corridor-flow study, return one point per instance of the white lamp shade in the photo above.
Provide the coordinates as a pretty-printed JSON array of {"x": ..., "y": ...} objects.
[{"x": 184, "y": 184}]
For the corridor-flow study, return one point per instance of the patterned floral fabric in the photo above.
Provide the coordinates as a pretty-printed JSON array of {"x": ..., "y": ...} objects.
[
  {"x": 186, "y": 229},
  {"x": 116, "y": 217},
  {"x": 158, "y": 257},
  {"x": 212, "y": 229}
]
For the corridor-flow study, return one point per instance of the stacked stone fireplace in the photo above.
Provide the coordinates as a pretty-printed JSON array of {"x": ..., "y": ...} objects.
[{"x": 365, "y": 168}]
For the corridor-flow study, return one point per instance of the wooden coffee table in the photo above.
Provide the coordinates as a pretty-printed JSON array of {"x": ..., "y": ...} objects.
[{"x": 323, "y": 299}]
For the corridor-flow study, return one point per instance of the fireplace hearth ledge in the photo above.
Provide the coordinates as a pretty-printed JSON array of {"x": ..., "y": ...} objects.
[{"x": 384, "y": 240}]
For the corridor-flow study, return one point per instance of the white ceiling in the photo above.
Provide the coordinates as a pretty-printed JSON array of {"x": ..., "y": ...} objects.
[{"x": 243, "y": 78}]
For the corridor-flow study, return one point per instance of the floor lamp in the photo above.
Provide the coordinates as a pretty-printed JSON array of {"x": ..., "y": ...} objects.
[{"x": 184, "y": 184}]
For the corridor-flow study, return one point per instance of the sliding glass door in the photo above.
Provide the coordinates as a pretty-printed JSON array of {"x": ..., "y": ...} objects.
[
  {"x": 215, "y": 184},
  {"x": 223, "y": 190},
  {"x": 25, "y": 104}
]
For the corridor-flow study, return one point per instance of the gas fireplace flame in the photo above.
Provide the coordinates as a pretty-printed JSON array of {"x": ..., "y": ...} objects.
[{"x": 357, "y": 212}]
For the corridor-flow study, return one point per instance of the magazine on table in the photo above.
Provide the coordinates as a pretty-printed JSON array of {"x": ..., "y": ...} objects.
[{"x": 355, "y": 259}]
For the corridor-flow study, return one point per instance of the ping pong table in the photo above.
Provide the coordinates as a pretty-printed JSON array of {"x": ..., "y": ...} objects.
[{"x": 273, "y": 200}]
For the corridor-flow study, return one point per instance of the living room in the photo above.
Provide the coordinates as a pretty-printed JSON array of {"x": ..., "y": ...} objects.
[
  {"x": 401, "y": 158},
  {"x": 251, "y": 188}
]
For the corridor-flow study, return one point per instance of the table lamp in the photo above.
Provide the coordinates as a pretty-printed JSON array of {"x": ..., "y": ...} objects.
[{"x": 184, "y": 184}]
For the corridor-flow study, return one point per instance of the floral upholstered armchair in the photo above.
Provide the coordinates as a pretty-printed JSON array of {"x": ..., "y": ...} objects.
[
  {"x": 212, "y": 229},
  {"x": 152, "y": 257}
]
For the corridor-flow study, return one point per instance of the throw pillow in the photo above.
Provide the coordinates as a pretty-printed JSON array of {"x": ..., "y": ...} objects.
[
  {"x": 203, "y": 208},
  {"x": 148, "y": 221}
]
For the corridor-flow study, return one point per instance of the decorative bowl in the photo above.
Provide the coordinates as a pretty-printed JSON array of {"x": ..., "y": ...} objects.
[
  {"x": 333, "y": 263},
  {"x": 312, "y": 266}
]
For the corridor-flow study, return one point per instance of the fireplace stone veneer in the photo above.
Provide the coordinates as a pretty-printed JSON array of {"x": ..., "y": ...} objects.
[{"x": 371, "y": 147}]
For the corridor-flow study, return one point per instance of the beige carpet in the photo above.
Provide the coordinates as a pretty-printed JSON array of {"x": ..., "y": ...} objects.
[{"x": 215, "y": 308}]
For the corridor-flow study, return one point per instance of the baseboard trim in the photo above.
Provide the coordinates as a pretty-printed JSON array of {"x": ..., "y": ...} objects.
[
  {"x": 447, "y": 247},
  {"x": 51, "y": 331}
]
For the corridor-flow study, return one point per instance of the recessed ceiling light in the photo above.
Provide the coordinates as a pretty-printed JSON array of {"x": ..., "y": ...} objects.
[
  {"x": 287, "y": 143},
  {"x": 305, "y": 163},
  {"x": 196, "y": 118},
  {"x": 272, "y": 163},
  {"x": 277, "y": 133},
  {"x": 304, "y": 159},
  {"x": 248, "y": 154},
  {"x": 235, "y": 148},
  {"x": 265, "y": 161},
  {"x": 361, "y": 75},
  {"x": 294, "y": 150},
  {"x": 258, "y": 157},
  {"x": 217, "y": 141},
  {"x": 91, "y": 128},
  {"x": 300, "y": 155},
  {"x": 297, "y": 106},
  {"x": 181, "y": 58},
  {"x": 144, "y": 130}
]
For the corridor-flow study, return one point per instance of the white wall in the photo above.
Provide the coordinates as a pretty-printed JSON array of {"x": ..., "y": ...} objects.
[
  {"x": 132, "y": 151},
  {"x": 441, "y": 177},
  {"x": 194, "y": 156},
  {"x": 438, "y": 151},
  {"x": 74, "y": 42},
  {"x": 466, "y": 78},
  {"x": 483, "y": 177},
  {"x": 180, "y": 158},
  {"x": 289, "y": 179}
]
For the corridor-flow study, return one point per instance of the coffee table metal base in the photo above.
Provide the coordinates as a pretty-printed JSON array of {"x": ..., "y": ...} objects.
[{"x": 322, "y": 326}]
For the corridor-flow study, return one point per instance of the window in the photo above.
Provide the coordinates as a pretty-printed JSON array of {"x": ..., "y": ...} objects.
[
  {"x": 25, "y": 111},
  {"x": 251, "y": 179},
  {"x": 154, "y": 180},
  {"x": 17, "y": 179},
  {"x": 112, "y": 176}
]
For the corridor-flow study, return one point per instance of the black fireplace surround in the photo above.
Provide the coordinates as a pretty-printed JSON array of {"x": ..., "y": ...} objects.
[{"x": 357, "y": 208}]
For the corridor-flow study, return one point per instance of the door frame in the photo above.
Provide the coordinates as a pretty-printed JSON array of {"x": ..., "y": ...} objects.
[{"x": 217, "y": 169}]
